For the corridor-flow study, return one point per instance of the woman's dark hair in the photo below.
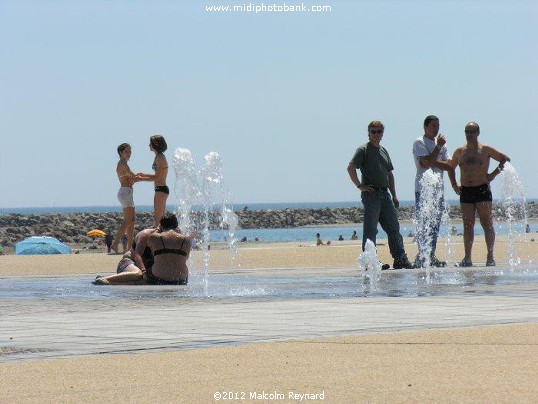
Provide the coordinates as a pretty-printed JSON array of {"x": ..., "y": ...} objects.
[
  {"x": 169, "y": 221},
  {"x": 122, "y": 147},
  {"x": 158, "y": 143}
]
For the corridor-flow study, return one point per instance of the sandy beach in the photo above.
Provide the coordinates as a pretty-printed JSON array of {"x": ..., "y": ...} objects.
[
  {"x": 485, "y": 364},
  {"x": 342, "y": 254}
]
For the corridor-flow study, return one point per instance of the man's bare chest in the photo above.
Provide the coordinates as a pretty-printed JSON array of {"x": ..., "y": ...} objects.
[{"x": 473, "y": 158}]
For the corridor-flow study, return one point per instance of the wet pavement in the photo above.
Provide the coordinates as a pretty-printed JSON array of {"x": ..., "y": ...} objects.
[{"x": 52, "y": 317}]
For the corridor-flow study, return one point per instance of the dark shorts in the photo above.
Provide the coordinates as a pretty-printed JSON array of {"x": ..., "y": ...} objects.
[
  {"x": 162, "y": 188},
  {"x": 154, "y": 280},
  {"x": 481, "y": 193}
]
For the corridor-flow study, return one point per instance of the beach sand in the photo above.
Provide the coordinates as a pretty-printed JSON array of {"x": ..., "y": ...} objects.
[
  {"x": 342, "y": 254},
  {"x": 484, "y": 364}
]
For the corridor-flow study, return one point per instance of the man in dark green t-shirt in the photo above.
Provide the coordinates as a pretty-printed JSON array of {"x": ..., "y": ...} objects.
[{"x": 377, "y": 180}]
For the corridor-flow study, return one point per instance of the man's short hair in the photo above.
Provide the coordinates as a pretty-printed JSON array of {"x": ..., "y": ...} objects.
[
  {"x": 169, "y": 221},
  {"x": 429, "y": 119},
  {"x": 375, "y": 124}
]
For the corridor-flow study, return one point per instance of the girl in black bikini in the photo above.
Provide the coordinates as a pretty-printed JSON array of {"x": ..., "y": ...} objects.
[{"x": 158, "y": 145}]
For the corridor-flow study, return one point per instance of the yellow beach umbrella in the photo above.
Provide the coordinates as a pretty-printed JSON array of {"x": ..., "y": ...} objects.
[{"x": 96, "y": 233}]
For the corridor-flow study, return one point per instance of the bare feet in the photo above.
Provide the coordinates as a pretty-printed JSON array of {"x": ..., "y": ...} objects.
[{"x": 100, "y": 280}]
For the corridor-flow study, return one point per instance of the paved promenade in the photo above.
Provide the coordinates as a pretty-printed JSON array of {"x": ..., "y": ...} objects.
[{"x": 43, "y": 327}]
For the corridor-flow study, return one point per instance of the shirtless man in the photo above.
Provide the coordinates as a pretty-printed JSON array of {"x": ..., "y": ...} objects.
[
  {"x": 125, "y": 196},
  {"x": 475, "y": 193}
]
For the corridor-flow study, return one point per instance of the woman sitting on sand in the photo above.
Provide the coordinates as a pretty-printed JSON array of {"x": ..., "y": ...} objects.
[
  {"x": 125, "y": 196},
  {"x": 170, "y": 250},
  {"x": 158, "y": 145}
]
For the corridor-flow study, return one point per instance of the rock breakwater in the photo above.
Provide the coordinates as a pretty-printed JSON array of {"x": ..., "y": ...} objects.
[{"x": 72, "y": 227}]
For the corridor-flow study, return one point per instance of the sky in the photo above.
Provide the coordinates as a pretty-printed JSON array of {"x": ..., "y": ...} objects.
[{"x": 284, "y": 97}]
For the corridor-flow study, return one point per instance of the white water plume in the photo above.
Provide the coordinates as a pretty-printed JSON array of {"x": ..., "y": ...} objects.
[
  {"x": 369, "y": 263},
  {"x": 513, "y": 211},
  {"x": 428, "y": 215},
  {"x": 203, "y": 187}
]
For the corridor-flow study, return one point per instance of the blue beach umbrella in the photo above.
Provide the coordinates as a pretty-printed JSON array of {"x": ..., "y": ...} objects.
[{"x": 41, "y": 245}]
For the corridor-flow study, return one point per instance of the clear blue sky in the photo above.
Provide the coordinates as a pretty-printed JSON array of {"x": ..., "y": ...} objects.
[{"x": 285, "y": 98}]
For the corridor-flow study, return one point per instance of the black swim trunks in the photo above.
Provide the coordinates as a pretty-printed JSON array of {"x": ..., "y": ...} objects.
[
  {"x": 481, "y": 193},
  {"x": 162, "y": 188}
]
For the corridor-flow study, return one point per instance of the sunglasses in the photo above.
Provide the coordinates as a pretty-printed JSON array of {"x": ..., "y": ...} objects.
[
  {"x": 376, "y": 132},
  {"x": 469, "y": 131}
]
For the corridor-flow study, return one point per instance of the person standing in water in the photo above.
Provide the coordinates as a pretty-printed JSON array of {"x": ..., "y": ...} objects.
[
  {"x": 378, "y": 193},
  {"x": 429, "y": 153},
  {"x": 125, "y": 196},
  {"x": 475, "y": 194},
  {"x": 157, "y": 145}
]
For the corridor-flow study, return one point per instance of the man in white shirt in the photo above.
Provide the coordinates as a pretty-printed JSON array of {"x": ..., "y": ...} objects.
[{"x": 429, "y": 152}]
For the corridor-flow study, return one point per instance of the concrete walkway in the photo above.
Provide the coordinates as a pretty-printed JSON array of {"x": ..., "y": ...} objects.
[{"x": 51, "y": 328}]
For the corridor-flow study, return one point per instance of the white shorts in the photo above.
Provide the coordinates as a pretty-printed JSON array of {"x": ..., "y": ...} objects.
[{"x": 125, "y": 196}]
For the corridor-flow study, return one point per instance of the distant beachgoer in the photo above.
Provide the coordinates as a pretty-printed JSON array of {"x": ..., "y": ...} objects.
[
  {"x": 125, "y": 196},
  {"x": 256, "y": 239},
  {"x": 340, "y": 238},
  {"x": 158, "y": 145},
  {"x": 454, "y": 231},
  {"x": 475, "y": 193},
  {"x": 109, "y": 239},
  {"x": 374, "y": 162},
  {"x": 527, "y": 228},
  {"x": 244, "y": 240},
  {"x": 354, "y": 235},
  {"x": 170, "y": 250},
  {"x": 320, "y": 242}
]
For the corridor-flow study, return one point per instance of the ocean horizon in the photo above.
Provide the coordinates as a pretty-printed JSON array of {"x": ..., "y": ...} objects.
[
  {"x": 299, "y": 234},
  {"x": 236, "y": 207}
]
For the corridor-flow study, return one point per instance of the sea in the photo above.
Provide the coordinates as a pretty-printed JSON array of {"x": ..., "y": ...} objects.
[{"x": 305, "y": 234}]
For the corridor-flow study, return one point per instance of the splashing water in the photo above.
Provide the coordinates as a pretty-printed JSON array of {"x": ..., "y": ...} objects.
[
  {"x": 428, "y": 215},
  {"x": 513, "y": 211},
  {"x": 368, "y": 261},
  {"x": 446, "y": 223},
  {"x": 205, "y": 187}
]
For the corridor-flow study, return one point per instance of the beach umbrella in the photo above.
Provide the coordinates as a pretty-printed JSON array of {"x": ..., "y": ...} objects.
[
  {"x": 41, "y": 245},
  {"x": 96, "y": 233}
]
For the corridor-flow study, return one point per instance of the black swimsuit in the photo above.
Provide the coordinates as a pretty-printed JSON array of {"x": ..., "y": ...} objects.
[
  {"x": 160, "y": 188},
  {"x": 165, "y": 250},
  {"x": 155, "y": 280}
]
